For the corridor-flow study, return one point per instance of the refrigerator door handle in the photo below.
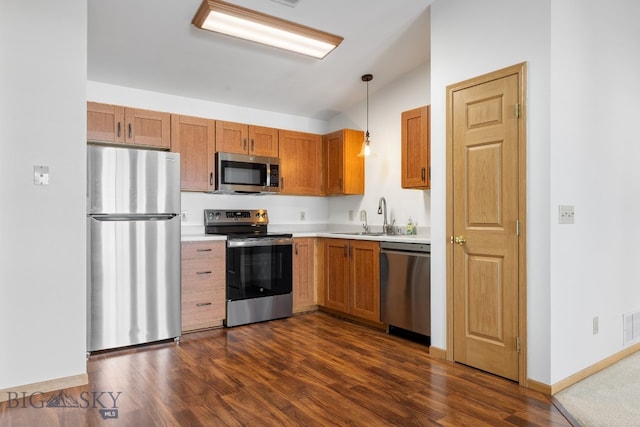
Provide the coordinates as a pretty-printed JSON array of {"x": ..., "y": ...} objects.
[{"x": 133, "y": 217}]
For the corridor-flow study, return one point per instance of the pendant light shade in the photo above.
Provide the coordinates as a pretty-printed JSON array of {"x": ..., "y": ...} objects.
[{"x": 366, "y": 144}]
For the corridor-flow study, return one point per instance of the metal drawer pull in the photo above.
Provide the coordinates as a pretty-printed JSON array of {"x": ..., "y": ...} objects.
[
  {"x": 202, "y": 304},
  {"x": 204, "y": 272},
  {"x": 203, "y": 250}
]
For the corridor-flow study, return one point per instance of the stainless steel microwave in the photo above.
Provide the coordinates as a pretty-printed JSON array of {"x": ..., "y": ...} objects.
[{"x": 242, "y": 173}]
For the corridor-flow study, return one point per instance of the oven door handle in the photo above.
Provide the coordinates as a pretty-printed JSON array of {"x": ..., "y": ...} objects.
[{"x": 247, "y": 243}]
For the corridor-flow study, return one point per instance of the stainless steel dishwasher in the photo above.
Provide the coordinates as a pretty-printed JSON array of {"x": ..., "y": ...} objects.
[{"x": 405, "y": 287}]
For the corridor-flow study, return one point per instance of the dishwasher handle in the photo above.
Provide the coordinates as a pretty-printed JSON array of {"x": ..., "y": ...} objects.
[
  {"x": 406, "y": 253},
  {"x": 413, "y": 247}
]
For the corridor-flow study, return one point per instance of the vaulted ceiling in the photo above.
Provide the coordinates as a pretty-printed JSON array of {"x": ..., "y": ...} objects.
[{"x": 151, "y": 45}]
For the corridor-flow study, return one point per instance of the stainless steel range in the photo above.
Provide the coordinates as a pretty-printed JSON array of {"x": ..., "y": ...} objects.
[{"x": 259, "y": 266}]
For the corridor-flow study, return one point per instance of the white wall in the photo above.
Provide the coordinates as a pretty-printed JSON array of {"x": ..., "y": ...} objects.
[
  {"x": 582, "y": 147},
  {"x": 470, "y": 38},
  {"x": 42, "y": 228},
  {"x": 383, "y": 169},
  {"x": 594, "y": 152}
]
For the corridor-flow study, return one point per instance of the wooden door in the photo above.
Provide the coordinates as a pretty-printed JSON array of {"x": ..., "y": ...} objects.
[
  {"x": 365, "y": 280},
  {"x": 336, "y": 255},
  {"x": 232, "y": 137},
  {"x": 263, "y": 141},
  {"x": 194, "y": 139},
  {"x": 148, "y": 128},
  {"x": 105, "y": 123},
  {"x": 304, "y": 291},
  {"x": 485, "y": 211},
  {"x": 415, "y": 135}
]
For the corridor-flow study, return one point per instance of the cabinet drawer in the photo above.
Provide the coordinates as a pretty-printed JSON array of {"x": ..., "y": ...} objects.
[
  {"x": 199, "y": 250},
  {"x": 202, "y": 309},
  {"x": 202, "y": 274}
]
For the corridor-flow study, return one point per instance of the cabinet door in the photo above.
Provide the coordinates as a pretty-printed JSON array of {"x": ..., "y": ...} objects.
[
  {"x": 263, "y": 141},
  {"x": 301, "y": 163},
  {"x": 148, "y": 128},
  {"x": 304, "y": 290},
  {"x": 416, "y": 148},
  {"x": 365, "y": 280},
  {"x": 336, "y": 253},
  {"x": 344, "y": 169},
  {"x": 105, "y": 123},
  {"x": 232, "y": 137},
  {"x": 334, "y": 146},
  {"x": 194, "y": 139}
]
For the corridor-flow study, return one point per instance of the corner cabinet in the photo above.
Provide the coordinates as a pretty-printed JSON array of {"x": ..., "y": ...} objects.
[
  {"x": 203, "y": 284},
  {"x": 195, "y": 139},
  {"x": 416, "y": 148},
  {"x": 240, "y": 138},
  {"x": 304, "y": 289},
  {"x": 352, "y": 278},
  {"x": 301, "y": 164},
  {"x": 115, "y": 124},
  {"x": 344, "y": 169}
]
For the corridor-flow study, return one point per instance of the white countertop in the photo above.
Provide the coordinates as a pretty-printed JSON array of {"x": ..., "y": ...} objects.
[{"x": 196, "y": 233}]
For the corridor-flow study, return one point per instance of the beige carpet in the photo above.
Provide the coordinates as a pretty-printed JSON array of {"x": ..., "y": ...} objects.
[{"x": 610, "y": 398}]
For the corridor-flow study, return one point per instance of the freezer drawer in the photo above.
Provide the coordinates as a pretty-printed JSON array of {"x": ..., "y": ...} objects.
[
  {"x": 134, "y": 281},
  {"x": 405, "y": 290}
]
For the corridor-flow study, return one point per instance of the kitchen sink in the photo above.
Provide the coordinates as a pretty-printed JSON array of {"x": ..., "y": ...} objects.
[{"x": 363, "y": 233}]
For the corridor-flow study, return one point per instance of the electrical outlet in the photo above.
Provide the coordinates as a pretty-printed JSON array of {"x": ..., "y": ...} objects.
[
  {"x": 565, "y": 214},
  {"x": 303, "y": 216},
  {"x": 350, "y": 215},
  {"x": 596, "y": 327},
  {"x": 363, "y": 215}
]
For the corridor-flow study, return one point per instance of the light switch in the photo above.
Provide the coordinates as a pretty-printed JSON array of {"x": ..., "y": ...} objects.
[
  {"x": 41, "y": 175},
  {"x": 566, "y": 214}
]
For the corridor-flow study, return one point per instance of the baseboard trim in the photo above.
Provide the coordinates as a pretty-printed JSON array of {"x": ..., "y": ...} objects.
[
  {"x": 538, "y": 386},
  {"x": 45, "y": 386},
  {"x": 597, "y": 367},
  {"x": 438, "y": 353}
]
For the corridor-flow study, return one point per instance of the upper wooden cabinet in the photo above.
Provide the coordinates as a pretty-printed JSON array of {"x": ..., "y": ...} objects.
[
  {"x": 345, "y": 170},
  {"x": 122, "y": 125},
  {"x": 416, "y": 148},
  {"x": 241, "y": 138},
  {"x": 301, "y": 163},
  {"x": 194, "y": 138}
]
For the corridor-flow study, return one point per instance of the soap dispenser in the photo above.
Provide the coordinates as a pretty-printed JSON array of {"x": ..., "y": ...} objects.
[{"x": 410, "y": 227}]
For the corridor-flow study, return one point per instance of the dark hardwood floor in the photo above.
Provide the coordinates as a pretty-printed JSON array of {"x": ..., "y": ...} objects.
[{"x": 308, "y": 370}]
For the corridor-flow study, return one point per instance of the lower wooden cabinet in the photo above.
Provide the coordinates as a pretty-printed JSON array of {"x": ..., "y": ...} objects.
[
  {"x": 352, "y": 277},
  {"x": 203, "y": 284},
  {"x": 305, "y": 297}
]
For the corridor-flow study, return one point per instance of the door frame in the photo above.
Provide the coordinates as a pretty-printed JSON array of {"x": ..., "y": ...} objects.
[{"x": 520, "y": 70}]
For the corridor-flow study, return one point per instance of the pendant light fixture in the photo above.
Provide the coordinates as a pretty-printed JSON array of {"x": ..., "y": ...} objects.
[{"x": 366, "y": 148}]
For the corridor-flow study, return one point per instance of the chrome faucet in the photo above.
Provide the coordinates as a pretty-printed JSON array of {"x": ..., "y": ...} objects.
[{"x": 382, "y": 210}]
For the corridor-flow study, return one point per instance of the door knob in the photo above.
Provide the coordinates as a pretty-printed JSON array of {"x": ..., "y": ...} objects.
[{"x": 459, "y": 240}]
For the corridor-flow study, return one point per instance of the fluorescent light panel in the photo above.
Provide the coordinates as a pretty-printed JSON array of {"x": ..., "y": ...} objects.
[{"x": 236, "y": 21}]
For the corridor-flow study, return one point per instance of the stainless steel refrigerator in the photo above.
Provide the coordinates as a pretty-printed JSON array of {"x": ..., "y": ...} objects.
[{"x": 133, "y": 229}]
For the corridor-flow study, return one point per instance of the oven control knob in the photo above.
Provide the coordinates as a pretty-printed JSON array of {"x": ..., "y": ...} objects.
[
  {"x": 264, "y": 214},
  {"x": 257, "y": 214},
  {"x": 217, "y": 214}
]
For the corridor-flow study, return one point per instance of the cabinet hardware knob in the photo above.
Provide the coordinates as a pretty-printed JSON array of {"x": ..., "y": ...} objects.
[
  {"x": 130, "y": 130},
  {"x": 119, "y": 129}
]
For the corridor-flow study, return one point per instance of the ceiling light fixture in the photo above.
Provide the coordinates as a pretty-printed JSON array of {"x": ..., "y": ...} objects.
[
  {"x": 236, "y": 21},
  {"x": 366, "y": 148}
]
